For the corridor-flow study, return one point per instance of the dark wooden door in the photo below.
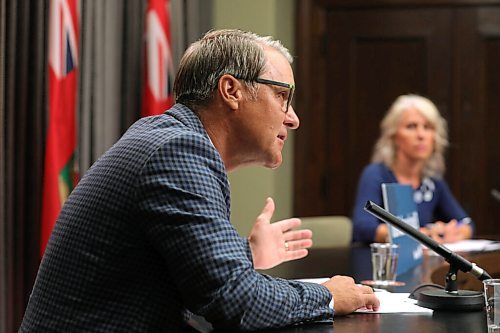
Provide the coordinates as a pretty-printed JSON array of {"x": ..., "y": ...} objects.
[
  {"x": 474, "y": 159},
  {"x": 356, "y": 57}
]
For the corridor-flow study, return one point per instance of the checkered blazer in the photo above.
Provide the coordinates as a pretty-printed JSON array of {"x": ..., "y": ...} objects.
[{"x": 146, "y": 236}]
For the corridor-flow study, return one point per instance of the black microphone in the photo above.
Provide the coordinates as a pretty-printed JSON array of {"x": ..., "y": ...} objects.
[{"x": 450, "y": 298}]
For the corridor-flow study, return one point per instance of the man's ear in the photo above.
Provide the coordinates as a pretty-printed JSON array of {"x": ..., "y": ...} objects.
[{"x": 230, "y": 91}]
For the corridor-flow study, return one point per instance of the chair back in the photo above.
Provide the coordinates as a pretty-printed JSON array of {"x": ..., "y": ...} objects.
[{"x": 329, "y": 231}]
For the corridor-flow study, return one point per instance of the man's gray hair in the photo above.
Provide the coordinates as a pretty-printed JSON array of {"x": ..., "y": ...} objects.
[{"x": 220, "y": 52}]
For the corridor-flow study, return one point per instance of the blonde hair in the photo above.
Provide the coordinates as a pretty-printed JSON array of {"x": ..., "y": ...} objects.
[{"x": 385, "y": 150}]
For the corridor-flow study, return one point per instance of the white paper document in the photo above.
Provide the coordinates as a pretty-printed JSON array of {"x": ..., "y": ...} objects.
[
  {"x": 389, "y": 302},
  {"x": 396, "y": 303},
  {"x": 472, "y": 245}
]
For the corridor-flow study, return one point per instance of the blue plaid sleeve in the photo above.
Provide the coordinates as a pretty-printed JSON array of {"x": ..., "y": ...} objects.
[{"x": 183, "y": 197}]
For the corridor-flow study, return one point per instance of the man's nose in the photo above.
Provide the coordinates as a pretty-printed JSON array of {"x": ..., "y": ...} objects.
[{"x": 291, "y": 119}]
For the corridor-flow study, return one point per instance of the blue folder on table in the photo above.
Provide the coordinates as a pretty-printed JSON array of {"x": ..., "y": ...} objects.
[{"x": 398, "y": 200}]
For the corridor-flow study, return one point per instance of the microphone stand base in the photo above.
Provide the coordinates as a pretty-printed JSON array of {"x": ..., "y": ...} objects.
[{"x": 439, "y": 299}]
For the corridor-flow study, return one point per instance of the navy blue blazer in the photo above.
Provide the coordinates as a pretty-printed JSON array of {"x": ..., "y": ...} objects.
[{"x": 146, "y": 237}]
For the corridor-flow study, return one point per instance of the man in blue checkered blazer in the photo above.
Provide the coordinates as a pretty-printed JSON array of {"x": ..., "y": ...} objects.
[{"x": 145, "y": 238}]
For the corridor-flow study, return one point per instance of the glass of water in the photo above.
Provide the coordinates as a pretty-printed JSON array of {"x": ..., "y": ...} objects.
[
  {"x": 492, "y": 299},
  {"x": 384, "y": 262}
]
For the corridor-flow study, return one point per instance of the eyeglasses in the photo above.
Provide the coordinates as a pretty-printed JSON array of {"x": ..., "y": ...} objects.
[{"x": 290, "y": 86}]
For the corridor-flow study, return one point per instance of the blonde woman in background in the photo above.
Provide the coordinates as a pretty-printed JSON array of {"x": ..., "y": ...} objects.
[{"x": 410, "y": 151}]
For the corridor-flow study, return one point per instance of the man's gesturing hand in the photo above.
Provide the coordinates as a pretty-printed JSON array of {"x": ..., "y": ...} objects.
[{"x": 274, "y": 243}]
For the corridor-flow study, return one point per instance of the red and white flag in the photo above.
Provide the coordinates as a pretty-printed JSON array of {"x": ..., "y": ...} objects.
[
  {"x": 60, "y": 175},
  {"x": 159, "y": 68}
]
